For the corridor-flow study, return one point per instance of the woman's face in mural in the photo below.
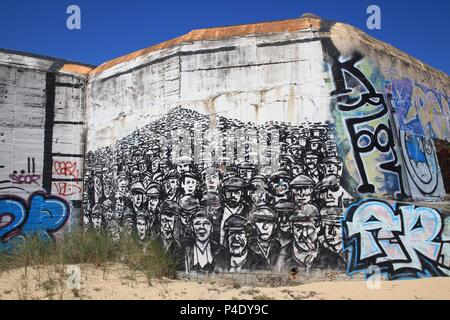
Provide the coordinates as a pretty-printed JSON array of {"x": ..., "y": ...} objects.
[
  {"x": 202, "y": 228},
  {"x": 265, "y": 229},
  {"x": 167, "y": 225},
  {"x": 233, "y": 197},
  {"x": 302, "y": 194},
  {"x": 305, "y": 235},
  {"x": 189, "y": 185},
  {"x": 237, "y": 242}
]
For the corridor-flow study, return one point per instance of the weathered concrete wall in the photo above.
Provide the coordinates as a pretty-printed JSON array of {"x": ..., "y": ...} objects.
[
  {"x": 265, "y": 146},
  {"x": 41, "y": 146},
  {"x": 253, "y": 141}
]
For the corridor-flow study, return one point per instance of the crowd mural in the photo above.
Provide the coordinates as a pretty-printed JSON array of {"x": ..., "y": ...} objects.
[{"x": 211, "y": 199}]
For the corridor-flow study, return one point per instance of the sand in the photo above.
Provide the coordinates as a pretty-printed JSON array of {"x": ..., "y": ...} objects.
[{"x": 118, "y": 282}]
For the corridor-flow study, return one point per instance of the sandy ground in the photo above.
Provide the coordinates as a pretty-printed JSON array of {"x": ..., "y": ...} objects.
[{"x": 117, "y": 282}]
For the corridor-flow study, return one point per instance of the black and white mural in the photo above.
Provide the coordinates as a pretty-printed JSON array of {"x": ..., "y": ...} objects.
[{"x": 221, "y": 194}]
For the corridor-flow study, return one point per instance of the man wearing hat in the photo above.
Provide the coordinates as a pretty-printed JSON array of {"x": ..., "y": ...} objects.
[
  {"x": 312, "y": 166},
  {"x": 246, "y": 171},
  {"x": 169, "y": 211},
  {"x": 97, "y": 216},
  {"x": 200, "y": 254},
  {"x": 142, "y": 226},
  {"x": 263, "y": 220},
  {"x": 305, "y": 252},
  {"x": 189, "y": 183},
  {"x": 280, "y": 185},
  {"x": 238, "y": 257},
  {"x": 259, "y": 191},
  {"x": 212, "y": 178},
  {"x": 302, "y": 188},
  {"x": 234, "y": 203},
  {"x": 330, "y": 193},
  {"x": 171, "y": 185},
  {"x": 137, "y": 197},
  {"x": 154, "y": 197},
  {"x": 330, "y": 235},
  {"x": 284, "y": 210},
  {"x": 188, "y": 206},
  {"x": 332, "y": 165},
  {"x": 184, "y": 164}
]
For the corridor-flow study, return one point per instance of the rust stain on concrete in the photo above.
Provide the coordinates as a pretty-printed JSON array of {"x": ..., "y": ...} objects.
[
  {"x": 76, "y": 68},
  {"x": 218, "y": 33}
]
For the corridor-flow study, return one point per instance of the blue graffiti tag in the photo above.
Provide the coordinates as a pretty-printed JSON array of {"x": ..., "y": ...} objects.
[
  {"x": 41, "y": 215},
  {"x": 403, "y": 241}
]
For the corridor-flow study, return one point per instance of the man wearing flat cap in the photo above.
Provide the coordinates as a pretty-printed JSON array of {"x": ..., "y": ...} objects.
[
  {"x": 312, "y": 166},
  {"x": 154, "y": 198},
  {"x": 234, "y": 203},
  {"x": 169, "y": 212},
  {"x": 330, "y": 193},
  {"x": 305, "y": 252},
  {"x": 284, "y": 210},
  {"x": 188, "y": 205},
  {"x": 332, "y": 165},
  {"x": 238, "y": 257},
  {"x": 137, "y": 197},
  {"x": 189, "y": 183},
  {"x": 171, "y": 185},
  {"x": 184, "y": 164},
  {"x": 264, "y": 243},
  {"x": 259, "y": 191},
  {"x": 302, "y": 188},
  {"x": 330, "y": 235},
  {"x": 279, "y": 181},
  {"x": 200, "y": 254}
]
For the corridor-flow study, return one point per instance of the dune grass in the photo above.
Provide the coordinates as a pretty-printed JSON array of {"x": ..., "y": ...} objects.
[{"x": 91, "y": 247}]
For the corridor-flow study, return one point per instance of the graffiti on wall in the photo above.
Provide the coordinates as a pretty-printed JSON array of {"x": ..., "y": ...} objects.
[
  {"x": 363, "y": 118},
  {"x": 421, "y": 165},
  {"x": 403, "y": 241},
  {"x": 421, "y": 110},
  {"x": 64, "y": 170},
  {"x": 222, "y": 194},
  {"x": 41, "y": 214}
]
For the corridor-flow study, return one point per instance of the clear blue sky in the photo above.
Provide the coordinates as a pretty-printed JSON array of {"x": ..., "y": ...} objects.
[{"x": 113, "y": 28}]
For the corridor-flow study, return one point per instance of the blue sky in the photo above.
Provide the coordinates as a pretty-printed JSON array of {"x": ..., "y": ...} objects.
[{"x": 113, "y": 28}]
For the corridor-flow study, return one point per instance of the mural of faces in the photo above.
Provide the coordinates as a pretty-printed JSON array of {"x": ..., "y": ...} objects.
[{"x": 148, "y": 186}]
